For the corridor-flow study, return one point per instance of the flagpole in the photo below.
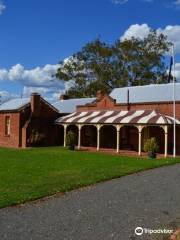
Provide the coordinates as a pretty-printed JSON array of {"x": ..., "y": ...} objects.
[{"x": 174, "y": 104}]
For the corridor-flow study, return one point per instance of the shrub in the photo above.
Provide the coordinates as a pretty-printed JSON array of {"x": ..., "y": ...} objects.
[
  {"x": 36, "y": 138},
  {"x": 71, "y": 140},
  {"x": 151, "y": 145}
]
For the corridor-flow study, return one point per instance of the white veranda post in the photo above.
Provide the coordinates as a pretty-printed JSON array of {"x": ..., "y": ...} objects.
[
  {"x": 166, "y": 141},
  {"x": 65, "y": 133},
  {"x": 140, "y": 139},
  {"x": 79, "y": 136},
  {"x": 118, "y": 127},
  {"x": 174, "y": 105},
  {"x": 98, "y": 136}
]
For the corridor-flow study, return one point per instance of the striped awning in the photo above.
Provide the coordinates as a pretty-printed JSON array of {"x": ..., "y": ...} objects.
[{"x": 150, "y": 117}]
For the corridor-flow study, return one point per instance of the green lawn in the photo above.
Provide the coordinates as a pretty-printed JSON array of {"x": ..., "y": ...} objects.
[{"x": 34, "y": 173}]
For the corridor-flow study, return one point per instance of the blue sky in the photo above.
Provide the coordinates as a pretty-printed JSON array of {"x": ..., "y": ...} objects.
[{"x": 37, "y": 34}]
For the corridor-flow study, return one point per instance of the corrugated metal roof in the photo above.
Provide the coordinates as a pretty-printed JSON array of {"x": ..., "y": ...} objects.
[
  {"x": 150, "y": 117},
  {"x": 137, "y": 94},
  {"x": 69, "y": 106},
  {"x": 14, "y": 104},
  {"x": 147, "y": 93}
]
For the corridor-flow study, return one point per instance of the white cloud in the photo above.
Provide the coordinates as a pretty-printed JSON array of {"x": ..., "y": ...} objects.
[
  {"x": 125, "y": 1},
  {"x": 36, "y": 77},
  {"x": 177, "y": 71},
  {"x": 4, "y": 96},
  {"x": 42, "y": 90},
  {"x": 39, "y": 79},
  {"x": 173, "y": 33},
  {"x": 136, "y": 30},
  {"x": 119, "y": 1},
  {"x": 177, "y": 2},
  {"x": 51, "y": 93},
  {"x": 142, "y": 30},
  {"x": 16, "y": 72},
  {"x": 169, "y": 4},
  {"x": 2, "y": 7},
  {"x": 3, "y": 74}
]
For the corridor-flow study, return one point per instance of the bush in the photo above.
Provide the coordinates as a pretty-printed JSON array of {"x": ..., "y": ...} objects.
[
  {"x": 151, "y": 145},
  {"x": 36, "y": 138},
  {"x": 71, "y": 140}
]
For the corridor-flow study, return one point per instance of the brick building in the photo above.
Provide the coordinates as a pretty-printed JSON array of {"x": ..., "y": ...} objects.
[
  {"x": 26, "y": 122},
  {"x": 123, "y": 120},
  {"x": 126, "y": 118}
]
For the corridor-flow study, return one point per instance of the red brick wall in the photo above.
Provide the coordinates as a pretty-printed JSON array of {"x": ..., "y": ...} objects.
[
  {"x": 22, "y": 123},
  {"x": 43, "y": 122},
  {"x": 109, "y": 104},
  {"x": 13, "y": 139},
  {"x": 166, "y": 107}
]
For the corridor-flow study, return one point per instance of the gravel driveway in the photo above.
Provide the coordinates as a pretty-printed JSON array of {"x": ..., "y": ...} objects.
[{"x": 110, "y": 210}]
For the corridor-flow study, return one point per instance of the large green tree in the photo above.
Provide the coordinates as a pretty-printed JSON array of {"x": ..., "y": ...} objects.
[{"x": 102, "y": 66}]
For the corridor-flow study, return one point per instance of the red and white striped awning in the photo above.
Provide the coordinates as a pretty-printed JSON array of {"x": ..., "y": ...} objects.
[{"x": 150, "y": 117}]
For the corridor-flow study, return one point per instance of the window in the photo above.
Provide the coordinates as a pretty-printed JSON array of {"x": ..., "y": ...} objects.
[{"x": 7, "y": 125}]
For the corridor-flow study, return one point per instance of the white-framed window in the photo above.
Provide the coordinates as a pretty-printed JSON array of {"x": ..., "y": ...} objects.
[{"x": 7, "y": 125}]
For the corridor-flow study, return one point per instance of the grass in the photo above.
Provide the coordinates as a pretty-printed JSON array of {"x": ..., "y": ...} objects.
[{"x": 34, "y": 173}]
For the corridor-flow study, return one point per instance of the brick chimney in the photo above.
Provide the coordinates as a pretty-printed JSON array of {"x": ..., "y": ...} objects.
[
  {"x": 35, "y": 104},
  {"x": 63, "y": 97},
  {"x": 100, "y": 94}
]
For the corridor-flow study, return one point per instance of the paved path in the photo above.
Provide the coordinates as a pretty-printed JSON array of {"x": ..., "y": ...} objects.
[{"x": 110, "y": 210}]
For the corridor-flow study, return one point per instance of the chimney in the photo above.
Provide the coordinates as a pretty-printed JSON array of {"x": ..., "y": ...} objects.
[
  {"x": 63, "y": 97},
  {"x": 35, "y": 104},
  {"x": 100, "y": 94}
]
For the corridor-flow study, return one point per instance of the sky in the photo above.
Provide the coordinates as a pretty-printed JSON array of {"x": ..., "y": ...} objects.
[{"x": 36, "y": 34}]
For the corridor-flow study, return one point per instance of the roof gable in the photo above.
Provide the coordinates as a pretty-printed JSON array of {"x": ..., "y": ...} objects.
[
  {"x": 69, "y": 106},
  {"x": 105, "y": 102},
  {"x": 18, "y": 104},
  {"x": 15, "y": 104}
]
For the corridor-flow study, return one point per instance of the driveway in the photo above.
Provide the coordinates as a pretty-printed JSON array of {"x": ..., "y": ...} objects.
[{"x": 110, "y": 210}]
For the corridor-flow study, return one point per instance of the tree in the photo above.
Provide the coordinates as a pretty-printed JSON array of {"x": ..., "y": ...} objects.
[
  {"x": 143, "y": 60},
  {"x": 102, "y": 66},
  {"x": 71, "y": 140}
]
